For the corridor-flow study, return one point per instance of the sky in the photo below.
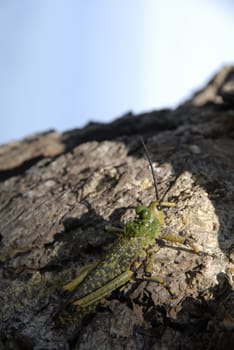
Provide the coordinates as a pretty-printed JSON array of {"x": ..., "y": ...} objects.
[{"x": 64, "y": 63}]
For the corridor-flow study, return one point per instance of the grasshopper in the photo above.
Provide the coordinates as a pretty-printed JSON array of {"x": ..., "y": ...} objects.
[{"x": 131, "y": 250}]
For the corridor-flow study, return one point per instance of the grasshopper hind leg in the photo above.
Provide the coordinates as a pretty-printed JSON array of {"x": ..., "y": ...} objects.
[{"x": 72, "y": 285}]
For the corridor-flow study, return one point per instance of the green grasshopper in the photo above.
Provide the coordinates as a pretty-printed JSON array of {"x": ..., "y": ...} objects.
[{"x": 131, "y": 250}]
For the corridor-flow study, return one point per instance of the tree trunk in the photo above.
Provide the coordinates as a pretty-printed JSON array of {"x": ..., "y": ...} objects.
[{"x": 59, "y": 191}]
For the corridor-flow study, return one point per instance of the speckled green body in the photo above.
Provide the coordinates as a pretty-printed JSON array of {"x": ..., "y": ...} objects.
[
  {"x": 118, "y": 260},
  {"x": 139, "y": 234}
]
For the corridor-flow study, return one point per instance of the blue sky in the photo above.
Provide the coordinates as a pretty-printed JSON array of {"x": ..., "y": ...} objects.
[{"x": 64, "y": 63}]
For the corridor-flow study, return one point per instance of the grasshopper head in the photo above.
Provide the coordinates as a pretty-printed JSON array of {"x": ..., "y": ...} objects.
[{"x": 147, "y": 221}]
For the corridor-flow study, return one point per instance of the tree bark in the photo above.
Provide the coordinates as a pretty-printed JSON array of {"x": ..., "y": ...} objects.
[{"x": 59, "y": 191}]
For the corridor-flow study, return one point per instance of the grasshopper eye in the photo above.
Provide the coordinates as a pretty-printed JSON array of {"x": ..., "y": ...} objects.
[{"x": 159, "y": 207}]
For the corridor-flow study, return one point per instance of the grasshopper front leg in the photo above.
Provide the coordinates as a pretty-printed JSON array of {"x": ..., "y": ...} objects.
[{"x": 182, "y": 240}]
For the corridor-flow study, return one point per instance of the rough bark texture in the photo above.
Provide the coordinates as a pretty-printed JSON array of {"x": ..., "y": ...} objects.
[{"x": 58, "y": 191}]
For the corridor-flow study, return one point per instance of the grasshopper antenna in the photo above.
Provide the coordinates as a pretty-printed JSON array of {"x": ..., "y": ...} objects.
[{"x": 152, "y": 169}]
